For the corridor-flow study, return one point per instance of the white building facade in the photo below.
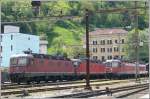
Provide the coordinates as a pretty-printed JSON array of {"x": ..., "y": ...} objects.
[{"x": 14, "y": 42}]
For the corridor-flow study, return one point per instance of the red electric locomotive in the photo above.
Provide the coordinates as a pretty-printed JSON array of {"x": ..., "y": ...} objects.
[
  {"x": 31, "y": 67},
  {"x": 125, "y": 69}
]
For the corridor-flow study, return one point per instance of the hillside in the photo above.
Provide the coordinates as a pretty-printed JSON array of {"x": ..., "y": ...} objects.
[{"x": 63, "y": 34}]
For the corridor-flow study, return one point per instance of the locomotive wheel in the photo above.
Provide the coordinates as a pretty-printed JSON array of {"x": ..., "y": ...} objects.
[
  {"x": 28, "y": 82},
  {"x": 18, "y": 83},
  {"x": 54, "y": 80},
  {"x": 37, "y": 82},
  {"x": 46, "y": 81}
]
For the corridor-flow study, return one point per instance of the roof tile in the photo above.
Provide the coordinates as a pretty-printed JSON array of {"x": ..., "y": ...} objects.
[{"x": 106, "y": 31}]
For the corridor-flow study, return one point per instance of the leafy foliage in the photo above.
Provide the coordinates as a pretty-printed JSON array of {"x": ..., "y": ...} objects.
[
  {"x": 143, "y": 49},
  {"x": 61, "y": 32}
]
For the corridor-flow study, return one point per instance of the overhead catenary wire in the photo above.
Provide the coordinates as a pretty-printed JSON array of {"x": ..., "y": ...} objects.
[{"x": 49, "y": 17}]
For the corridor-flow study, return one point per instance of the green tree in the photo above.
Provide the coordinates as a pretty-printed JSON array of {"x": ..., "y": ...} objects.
[{"x": 143, "y": 48}]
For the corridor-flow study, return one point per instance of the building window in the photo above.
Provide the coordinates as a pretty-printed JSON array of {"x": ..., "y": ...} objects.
[
  {"x": 1, "y": 37},
  {"x": 1, "y": 49},
  {"x": 122, "y": 41},
  {"x": 110, "y": 49},
  {"x": 103, "y": 58},
  {"x": 95, "y": 57},
  {"x": 11, "y": 48},
  {"x": 116, "y": 49},
  {"x": 95, "y": 50},
  {"x": 102, "y": 42},
  {"x": 102, "y": 50},
  {"x": 28, "y": 38},
  {"x": 107, "y": 49},
  {"x": 94, "y": 42},
  {"x": 107, "y": 41},
  {"x": 11, "y": 37},
  {"x": 110, "y": 41},
  {"x": 109, "y": 57},
  {"x": 116, "y": 41}
]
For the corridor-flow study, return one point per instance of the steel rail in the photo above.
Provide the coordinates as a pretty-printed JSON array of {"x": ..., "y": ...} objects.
[
  {"x": 102, "y": 92},
  {"x": 132, "y": 92},
  {"x": 14, "y": 86},
  {"x": 52, "y": 88}
]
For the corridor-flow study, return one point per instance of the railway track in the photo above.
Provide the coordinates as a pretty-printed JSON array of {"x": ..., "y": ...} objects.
[
  {"x": 131, "y": 92},
  {"x": 15, "y": 86},
  {"x": 60, "y": 87},
  {"x": 139, "y": 87}
]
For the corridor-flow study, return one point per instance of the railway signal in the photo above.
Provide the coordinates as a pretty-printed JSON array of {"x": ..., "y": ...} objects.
[{"x": 36, "y": 7}]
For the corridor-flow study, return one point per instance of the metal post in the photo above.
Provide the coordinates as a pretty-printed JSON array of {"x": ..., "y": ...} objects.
[
  {"x": 87, "y": 51},
  {"x": 0, "y": 56},
  {"x": 137, "y": 41},
  {"x": 119, "y": 46},
  {"x": 149, "y": 43}
]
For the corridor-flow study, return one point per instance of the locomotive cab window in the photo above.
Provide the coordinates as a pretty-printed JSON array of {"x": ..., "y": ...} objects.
[
  {"x": 116, "y": 64},
  {"x": 109, "y": 64},
  {"x": 13, "y": 61},
  {"x": 22, "y": 61},
  {"x": 113, "y": 63},
  {"x": 75, "y": 63}
]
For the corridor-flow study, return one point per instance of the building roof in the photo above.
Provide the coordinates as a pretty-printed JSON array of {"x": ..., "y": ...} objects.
[
  {"x": 15, "y": 33},
  {"x": 107, "y": 31}
]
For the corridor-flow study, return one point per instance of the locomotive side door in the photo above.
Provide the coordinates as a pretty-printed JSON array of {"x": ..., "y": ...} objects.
[
  {"x": 76, "y": 64},
  {"x": 108, "y": 68}
]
